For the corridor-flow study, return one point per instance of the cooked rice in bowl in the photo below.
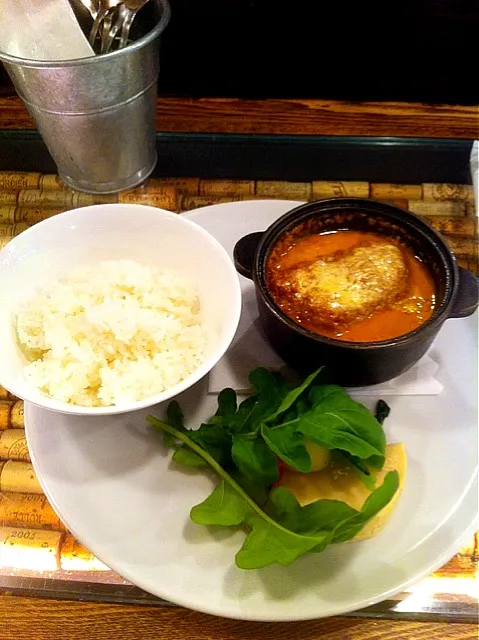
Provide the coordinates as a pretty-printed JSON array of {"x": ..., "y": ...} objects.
[{"x": 115, "y": 332}]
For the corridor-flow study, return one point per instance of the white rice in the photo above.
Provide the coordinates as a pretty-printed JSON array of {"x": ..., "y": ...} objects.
[{"x": 111, "y": 333}]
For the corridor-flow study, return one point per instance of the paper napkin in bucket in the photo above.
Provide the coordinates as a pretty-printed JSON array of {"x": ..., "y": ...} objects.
[
  {"x": 475, "y": 172},
  {"x": 250, "y": 349},
  {"x": 41, "y": 30}
]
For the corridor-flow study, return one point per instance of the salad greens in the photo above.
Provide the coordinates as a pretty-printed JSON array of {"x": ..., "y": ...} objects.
[{"x": 248, "y": 445}]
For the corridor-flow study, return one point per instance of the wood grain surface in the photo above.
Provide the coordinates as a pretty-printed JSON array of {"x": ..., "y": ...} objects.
[
  {"x": 292, "y": 117},
  {"x": 35, "y": 619}
]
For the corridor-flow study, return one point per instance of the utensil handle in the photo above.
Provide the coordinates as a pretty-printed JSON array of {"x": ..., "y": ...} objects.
[
  {"x": 467, "y": 298},
  {"x": 244, "y": 253}
]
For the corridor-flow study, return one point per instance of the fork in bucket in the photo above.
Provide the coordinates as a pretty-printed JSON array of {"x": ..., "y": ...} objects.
[{"x": 114, "y": 17}]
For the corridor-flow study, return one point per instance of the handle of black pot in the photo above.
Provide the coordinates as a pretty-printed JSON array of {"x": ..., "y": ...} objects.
[
  {"x": 467, "y": 298},
  {"x": 244, "y": 253}
]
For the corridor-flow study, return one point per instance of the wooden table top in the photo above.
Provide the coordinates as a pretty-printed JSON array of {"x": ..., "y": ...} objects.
[
  {"x": 31, "y": 618},
  {"x": 290, "y": 117}
]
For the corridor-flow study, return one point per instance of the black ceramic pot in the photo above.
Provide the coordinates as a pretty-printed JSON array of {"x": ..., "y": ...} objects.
[{"x": 355, "y": 363}]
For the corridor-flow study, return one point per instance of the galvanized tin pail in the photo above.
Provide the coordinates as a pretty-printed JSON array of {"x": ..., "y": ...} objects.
[{"x": 97, "y": 115}]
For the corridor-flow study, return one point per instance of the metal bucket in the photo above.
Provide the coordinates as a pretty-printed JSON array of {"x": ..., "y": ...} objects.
[{"x": 97, "y": 115}]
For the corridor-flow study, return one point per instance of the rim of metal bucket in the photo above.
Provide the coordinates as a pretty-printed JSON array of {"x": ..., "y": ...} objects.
[{"x": 138, "y": 44}]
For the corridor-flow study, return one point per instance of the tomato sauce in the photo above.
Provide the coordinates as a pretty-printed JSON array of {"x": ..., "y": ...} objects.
[{"x": 413, "y": 306}]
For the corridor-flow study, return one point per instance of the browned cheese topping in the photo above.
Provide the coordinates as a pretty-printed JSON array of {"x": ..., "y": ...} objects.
[{"x": 347, "y": 286}]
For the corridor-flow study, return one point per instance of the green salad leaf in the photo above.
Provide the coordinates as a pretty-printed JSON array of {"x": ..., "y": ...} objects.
[
  {"x": 246, "y": 444},
  {"x": 288, "y": 444},
  {"x": 292, "y": 396},
  {"x": 255, "y": 460},
  {"x": 336, "y": 421}
]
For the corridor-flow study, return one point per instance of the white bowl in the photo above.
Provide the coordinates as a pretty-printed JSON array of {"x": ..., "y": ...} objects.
[{"x": 47, "y": 251}]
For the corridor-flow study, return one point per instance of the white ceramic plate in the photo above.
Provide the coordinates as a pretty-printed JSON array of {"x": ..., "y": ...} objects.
[{"x": 113, "y": 484}]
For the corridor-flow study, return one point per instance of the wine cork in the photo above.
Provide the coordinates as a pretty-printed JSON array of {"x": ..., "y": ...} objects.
[
  {"x": 188, "y": 203},
  {"x": 161, "y": 197},
  {"x": 28, "y": 510},
  {"x": 16, "y": 180},
  {"x": 30, "y": 549},
  {"x": 12, "y": 230},
  {"x": 190, "y": 185},
  {"x": 13, "y": 445},
  {"x": 470, "y": 209},
  {"x": 456, "y": 225},
  {"x": 435, "y": 208},
  {"x": 40, "y": 198},
  {"x": 471, "y": 264},
  {"x": 445, "y": 191},
  {"x": 8, "y": 198},
  {"x": 9, "y": 231},
  {"x": 5, "y": 411},
  {"x": 392, "y": 191},
  {"x": 86, "y": 199},
  {"x": 32, "y": 215},
  {"x": 17, "y": 418},
  {"x": 469, "y": 548},
  {"x": 328, "y": 189},
  {"x": 284, "y": 190},
  {"x": 463, "y": 247},
  {"x": 19, "y": 477},
  {"x": 75, "y": 557},
  {"x": 465, "y": 263},
  {"x": 227, "y": 188},
  {"x": 462, "y": 565},
  {"x": 397, "y": 202},
  {"x": 51, "y": 182},
  {"x": 7, "y": 215},
  {"x": 5, "y": 395}
]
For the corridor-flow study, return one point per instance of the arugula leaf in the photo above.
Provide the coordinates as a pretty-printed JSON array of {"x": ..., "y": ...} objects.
[
  {"x": 240, "y": 421},
  {"x": 373, "y": 505},
  {"x": 251, "y": 412},
  {"x": 333, "y": 516},
  {"x": 368, "y": 479},
  {"x": 227, "y": 406},
  {"x": 284, "y": 507},
  {"x": 254, "y": 460},
  {"x": 187, "y": 457},
  {"x": 215, "y": 440},
  {"x": 267, "y": 540},
  {"x": 271, "y": 390},
  {"x": 293, "y": 396},
  {"x": 288, "y": 444},
  {"x": 174, "y": 416},
  {"x": 258, "y": 493},
  {"x": 382, "y": 411},
  {"x": 336, "y": 421},
  {"x": 268, "y": 543},
  {"x": 225, "y": 507}
]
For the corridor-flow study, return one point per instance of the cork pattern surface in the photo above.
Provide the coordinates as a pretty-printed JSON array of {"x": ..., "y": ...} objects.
[{"x": 33, "y": 540}]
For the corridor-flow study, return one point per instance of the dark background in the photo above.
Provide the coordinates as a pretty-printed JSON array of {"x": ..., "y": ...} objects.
[{"x": 422, "y": 50}]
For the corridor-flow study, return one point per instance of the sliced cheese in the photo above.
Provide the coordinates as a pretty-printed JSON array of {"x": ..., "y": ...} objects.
[{"x": 340, "y": 482}]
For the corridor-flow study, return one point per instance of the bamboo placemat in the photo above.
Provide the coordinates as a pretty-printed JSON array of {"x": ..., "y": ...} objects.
[{"x": 32, "y": 537}]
